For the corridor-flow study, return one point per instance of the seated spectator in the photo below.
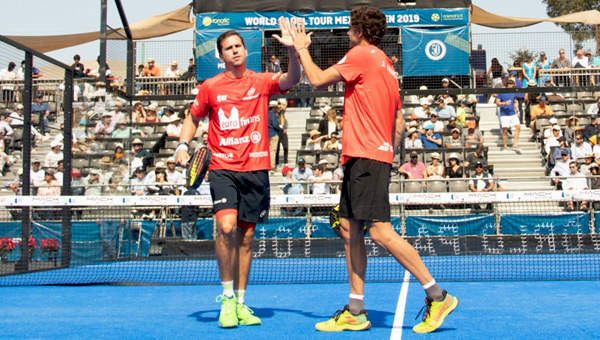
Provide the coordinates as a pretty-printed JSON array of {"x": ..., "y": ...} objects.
[
  {"x": 5, "y": 159},
  {"x": 413, "y": 141},
  {"x": 167, "y": 115},
  {"x": 580, "y": 147},
  {"x": 92, "y": 184},
  {"x": 333, "y": 143},
  {"x": 290, "y": 186},
  {"x": 151, "y": 116},
  {"x": 481, "y": 181},
  {"x": 173, "y": 71},
  {"x": 329, "y": 123},
  {"x": 36, "y": 174},
  {"x": 461, "y": 114},
  {"x": 301, "y": 174},
  {"x": 173, "y": 176},
  {"x": 54, "y": 155},
  {"x": 122, "y": 131},
  {"x": 452, "y": 124},
  {"x": 476, "y": 156},
  {"x": 113, "y": 188},
  {"x": 548, "y": 132},
  {"x": 438, "y": 126},
  {"x": 139, "y": 183},
  {"x": 314, "y": 140},
  {"x": 436, "y": 168},
  {"x": 16, "y": 185},
  {"x": 585, "y": 167},
  {"x": 49, "y": 186},
  {"x": 575, "y": 181},
  {"x": 570, "y": 129},
  {"x": 319, "y": 180},
  {"x": 541, "y": 109},
  {"x": 556, "y": 153},
  {"x": 413, "y": 124},
  {"x": 117, "y": 115},
  {"x": 117, "y": 157},
  {"x": 455, "y": 140},
  {"x": 454, "y": 170},
  {"x": 553, "y": 140},
  {"x": 161, "y": 186},
  {"x": 174, "y": 127},
  {"x": 592, "y": 129},
  {"x": 82, "y": 138},
  {"x": 414, "y": 168},
  {"x": 431, "y": 139},
  {"x": 561, "y": 169},
  {"x": 473, "y": 136},
  {"x": 104, "y": 125},
  {"x": 16, "y": 121},
  {"x": 593, "y": 109},
  {"x": 144, "y": 157},
  {"x": 443, "y": 110},
  {"x": 138, "y": 113},
  {"x": 424, "y": 110},
  {"x": 151, "y": 70},
  {"x": 467, "y": 100},
  {"x": 595, "y": 179}
]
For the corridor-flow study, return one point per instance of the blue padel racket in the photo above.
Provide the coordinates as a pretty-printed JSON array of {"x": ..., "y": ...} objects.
[{"x": 197, "y": 167}]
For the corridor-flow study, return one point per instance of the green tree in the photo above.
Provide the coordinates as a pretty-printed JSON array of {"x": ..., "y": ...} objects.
[
  {"x": 578, "y": 32},
  {"x": 521, "y": 55}
]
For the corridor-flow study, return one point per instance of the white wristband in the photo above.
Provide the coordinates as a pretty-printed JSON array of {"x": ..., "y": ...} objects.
[{"x": 181, "y": 147}]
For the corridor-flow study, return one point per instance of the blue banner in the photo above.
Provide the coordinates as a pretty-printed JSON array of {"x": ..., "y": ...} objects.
[
  {"x": 575, "y": 223},
  {"x": 327, "y": 20},
  {"x": 450, "y": 225},
  {"x": 207, "y": 55},
  {"x": 431, "y": 52}
]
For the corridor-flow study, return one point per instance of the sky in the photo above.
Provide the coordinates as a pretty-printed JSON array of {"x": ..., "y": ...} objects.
[{"x": 68, "y": 16}]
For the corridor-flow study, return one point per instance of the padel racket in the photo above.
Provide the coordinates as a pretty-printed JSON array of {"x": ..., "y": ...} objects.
[
  {"x": 197, "y": 167},
  {"x": 334, "y": 221}
]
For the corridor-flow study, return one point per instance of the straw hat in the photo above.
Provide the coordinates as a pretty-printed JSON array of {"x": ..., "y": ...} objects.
[{"x": 314, "y": 133}]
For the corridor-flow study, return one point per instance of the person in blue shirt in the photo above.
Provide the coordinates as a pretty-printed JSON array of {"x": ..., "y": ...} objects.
[
  {"x": 274, "y": 131},
  {"x": 430, "y": 139},
  {"x": 520, "y": 96},
  {"x": 40, "y": 107},
  {"x": 509, "y": 115}
]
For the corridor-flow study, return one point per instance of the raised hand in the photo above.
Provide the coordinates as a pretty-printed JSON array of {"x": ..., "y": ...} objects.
[
  {"x": 285, "y": 39},
  {"x": 293, "y": 33}
]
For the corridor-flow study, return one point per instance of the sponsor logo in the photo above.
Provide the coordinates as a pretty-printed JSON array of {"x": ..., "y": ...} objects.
[
  {"x": 342, "y": 61},
  {"x": 223, "y": 155},
  {"x": 251, "y": 92},
  {"x": 250, "y": 97},
  {"x": 250, "y": 120},
  {"x": 435, "y": 50},
  {"x": 386, "y": 147},
  {"x": 259, "y": 154},
  {"x": 234, "y": 141},
  {"x": 207, "y": 21},
  {"x": 222, "y": 200},
  {"x": 255, "y": 137},
  {"x": 263, "y": 213},
  {"x": 221, "y": 98},
  {"x": 435, "y": 17},
  {"x": 229, "y": 123}
]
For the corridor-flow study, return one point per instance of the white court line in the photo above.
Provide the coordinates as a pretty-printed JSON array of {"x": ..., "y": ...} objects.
[{"x": 399, "y": 318}]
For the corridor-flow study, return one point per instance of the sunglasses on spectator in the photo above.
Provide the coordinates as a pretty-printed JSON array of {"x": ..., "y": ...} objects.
[{"x": 479, "y": 166}]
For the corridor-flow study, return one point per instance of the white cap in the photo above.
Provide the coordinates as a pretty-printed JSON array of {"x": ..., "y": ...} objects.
[
  {"x": 174, "y": 63},
  {"x": 323, "y": 161},
  {"x": 445, "y": 80},
  {"x": 425, "y": 101},
  {"x": 282, "y": 101},
  {"x": 54, "y": 144},
  {"x": 273, "y": 103},
  {"x": 20, "y": 171},
  {"x": 325, "y": 108},
  {"x": 553, "y": 120},
  {"x": 160, "y": 165},
  {"x": 150, "y": 60},
  {"x": 423, "y": 87}
]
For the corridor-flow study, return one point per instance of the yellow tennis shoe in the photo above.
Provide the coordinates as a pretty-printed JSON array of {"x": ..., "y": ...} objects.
[
  {"x": 343, "y": 320},
  {"x": 436, "y": 313}
]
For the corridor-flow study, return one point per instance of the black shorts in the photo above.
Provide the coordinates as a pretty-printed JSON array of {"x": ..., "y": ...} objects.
[
  {"x": 365, "y": 190},
  {"x": 247, "y": 192}
]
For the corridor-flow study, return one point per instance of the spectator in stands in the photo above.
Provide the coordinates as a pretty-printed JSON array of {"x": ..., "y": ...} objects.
[
  {"x": 542, "y": 64},
  {"x": 561, "y": 63},
  {"x": 273, "y": 65},
  {"x": 283, "y": 136},
  {"x": 314, "y": 141},
  {"x": 78, "y": 68},
  {"x": 461, "y": 115},
  {"x": 144, "y": 158},
  {"x": 59, "y": 171},
  {"x": 413, "y": 141},
  {"x": 414, "y": 168},
  {"x": 16, "y": 185},
  {"x": 452, "y": 124},
  {"x": 161, "y": 185},
  {"x": 332, "y": 143},
  {"x": 174, "y": 128},
  {"x": 151, "y": 116},
  {"x": 481, "y": 181},
  {"x": 104, "y": 126},
  {"x": 139, "y": 183},
  {"x": 529, "y": 72},
  {"x": 496, "y": 71},
  {"x": 438, "y": 126},
  {"x": 556, "y": 153},
  {"x": 125, "y": 132},
  {"x": 329, "y": 124},
  {"x": 541, "y": 109},
  {"x": 476, "y": 156},
  {"x": 446, "y": 85},
  {"x": 548, "y": 132},
  {"x": 580, "y": 60},
  {"x": 191, "y": 71},
  {"x": 412, "y": 125},
  {"x": 443, "y": 110},
  {"x": 117, "y": 114},
  {"x": 454, "y": 170},
  {"x": 561, "y": 168},
  {"x": 117, "y": 157},
  {"x": 585, "y": 167},
  {"x": 509, "y": 116},
  {"x": 40, "y": 108},
  {"x": 301, "y": 174},
  {"x": 36, "y": 174},
  {"x": 173, "y": 176},
  {"x": 290, "y": 186},
  {"x": 571, "y": 125},
  {"x": 319, "y": 180},
  {"x": 594, "y": 109},
  {"x": 138, "y": 114},
  {"x": 436, "y": 168},
  {"x": 92, "y": 184},
  {"x": 82, "y": 138},
  {"x": 105, "y": 172},
  {"x": 49, "y": 186},
  {"x": 173, "y": 71},
  {"x": 274, "y": 130},
  {"x": 431, "y": 139},
  {"x": 113, "y": 188},
  {"x": 595, "y": 180},
  {"x": 167, "y": 115},
  {"x": 423, "y": 111},
  {"x": 151, "y": 70},
  {"x": 54, "y": 155},
  {"x": 575, "y": 181},
  {"x": 455, "y": 140},
  {"x": 553, "y": 140},
  {"x": 16, "y": 121},
  {"x": 204, "y": 138},
  {"x": 580, "y": 147},
  {"x": 8, "y": 74}
]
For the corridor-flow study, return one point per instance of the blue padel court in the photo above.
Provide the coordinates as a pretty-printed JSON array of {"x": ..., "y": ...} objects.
[{"x": 487, "y": 310}]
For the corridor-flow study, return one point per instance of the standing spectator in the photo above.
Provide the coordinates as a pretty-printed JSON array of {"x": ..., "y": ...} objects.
[
  {"x": 54, "y": 155},
  {"x": 283, "y": 136},
  {"x": 414, "y": 168},
  {"x": 509, "y": 116},
  {"x": 454, "y": 170},
  {"x": 542, "y": 64},
  {"x": 496, "y": 71},
  {"x": 561, "y": 63},
  {"x": 274, "y": 131},
  {"x": 329, "y": 124},
  {"x": 41, "y": 108},
  {"x": 191, "y": 71},
  {"x": 78, "y": 68},
  {"x": 529, "y": 72},
  {"x": 273, "y": 65},
  {"x": 436, "y": 168},
  {"x": 431, "y": 139},
  {"x": 575, "y": 181},
  {"x": 481, "y": 181},
  {"x": 314, "y": 140},
  {"x": 581, "y": 61},
  {"x": 8, "y": 74}
]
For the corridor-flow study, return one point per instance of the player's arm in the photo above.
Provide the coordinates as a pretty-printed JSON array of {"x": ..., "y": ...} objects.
[
  {"x": 398, "y": 130},
  {"x": 188, "y": 130}
]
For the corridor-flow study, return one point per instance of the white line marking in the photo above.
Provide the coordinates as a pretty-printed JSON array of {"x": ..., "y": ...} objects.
[{"x": 399, "y": 318}]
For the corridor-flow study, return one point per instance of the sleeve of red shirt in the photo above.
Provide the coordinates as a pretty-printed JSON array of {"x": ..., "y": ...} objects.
[
  {"x": 272, "y": 82},
  {"x": 349, "y": 67},
  {"x": 200, "y": 107}
]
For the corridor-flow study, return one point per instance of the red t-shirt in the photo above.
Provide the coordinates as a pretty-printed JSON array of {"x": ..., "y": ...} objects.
[
  {"x": 371, "y": 100},
  {"x": 238, "y": 121}
]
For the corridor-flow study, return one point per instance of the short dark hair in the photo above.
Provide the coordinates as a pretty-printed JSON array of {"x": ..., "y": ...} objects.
[
  {"x": 76, "y": 57},
  {"x": 370, "y": 21},
  {"x": 226, "y": 35},
  {"x": 319, "y": 167}
]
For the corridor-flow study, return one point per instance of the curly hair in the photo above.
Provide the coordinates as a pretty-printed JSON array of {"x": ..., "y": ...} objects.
[{"x": 370, "y": 21}]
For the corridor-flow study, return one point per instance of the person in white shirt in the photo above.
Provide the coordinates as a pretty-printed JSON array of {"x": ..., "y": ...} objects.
[
  {"x": 174, "y": 128},
  {"x": 8, "y": 74},
  {"x": 173, "y": 71},
  {"x": 319, "y": 179},
  {"x": 580, "y": 147},
  {"x": 423, "y": 111},
  {"x": 36, "y": 174},
  {"x": 54, "y": 155},
  {"x": 173, "y": 176},
  {"x": 594, "y": 109},
  {"x": 574, "y": 182}
]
